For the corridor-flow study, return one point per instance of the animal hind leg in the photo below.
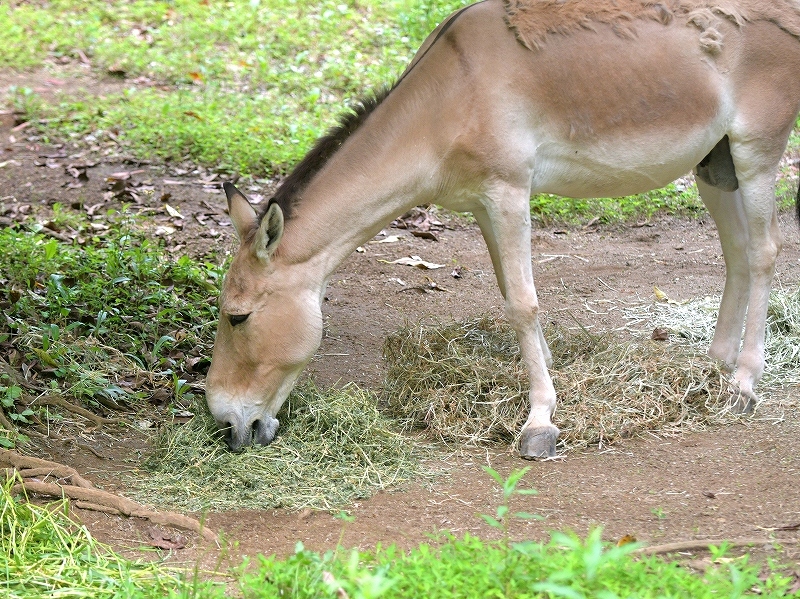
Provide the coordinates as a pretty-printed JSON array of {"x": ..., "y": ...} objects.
[
  {"x": 727, "y": 210},
  {"x": 507, "y": 227},
  {"x": 756, "y": 168}
]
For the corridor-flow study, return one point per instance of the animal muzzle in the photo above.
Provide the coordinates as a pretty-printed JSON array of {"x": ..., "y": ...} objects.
[{"x": 238, "y": 434}]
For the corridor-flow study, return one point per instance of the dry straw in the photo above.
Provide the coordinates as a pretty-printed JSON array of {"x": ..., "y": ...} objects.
[
  {"x": 333, "y": 446},
  {"x": 693, "y": 322},
  {"x": 463, "y": 382}
]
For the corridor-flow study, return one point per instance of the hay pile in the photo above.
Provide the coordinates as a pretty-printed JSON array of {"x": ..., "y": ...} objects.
[
  {"x": 464, "y": 382},
  {"x": 694, "y": 321},
  {"x": 333, "y": 447}
]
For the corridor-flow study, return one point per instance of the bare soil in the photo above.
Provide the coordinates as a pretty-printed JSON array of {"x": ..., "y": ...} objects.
[{"x": 726, "y": 482}]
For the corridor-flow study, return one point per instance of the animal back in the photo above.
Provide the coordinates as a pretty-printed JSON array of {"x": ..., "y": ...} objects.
[{"x": 534, "y": 20}]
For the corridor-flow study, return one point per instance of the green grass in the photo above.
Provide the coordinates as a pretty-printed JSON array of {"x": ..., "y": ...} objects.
[
  {"x": 45, "y": 554},
  {"x": 247, "y": 86},
  {"x": 99, "y": 338},
  {"x": 468, "y": 567}
]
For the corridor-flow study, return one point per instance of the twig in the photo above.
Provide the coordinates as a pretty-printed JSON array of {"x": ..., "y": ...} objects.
[{"x": 703, "y": 544}]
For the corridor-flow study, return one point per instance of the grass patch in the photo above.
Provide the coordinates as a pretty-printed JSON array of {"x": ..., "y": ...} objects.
[
  {"x": 567, "y": 566},
  {"x": 679, "y": 198},
  {"x": 139, "y": 332},
  {"x": 333, "y": 447},
  {"x": 45, "y": 554},
  {"x": 464, "y": 382}
]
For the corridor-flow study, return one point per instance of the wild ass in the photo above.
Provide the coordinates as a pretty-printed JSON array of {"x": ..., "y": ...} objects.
[{"x": 581, "y": 98}]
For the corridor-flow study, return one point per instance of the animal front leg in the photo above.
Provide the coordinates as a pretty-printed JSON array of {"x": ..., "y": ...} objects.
[{"x": 509, "y": 238}]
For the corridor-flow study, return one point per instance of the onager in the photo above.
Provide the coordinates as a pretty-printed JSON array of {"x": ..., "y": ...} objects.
[{"x": 581, "y": 98}]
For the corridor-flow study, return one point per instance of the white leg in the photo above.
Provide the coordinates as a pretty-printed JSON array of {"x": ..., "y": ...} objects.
[
  {"x": 727, "y": 210},
  {"x": 485, "y": 224},
  {"x": 506, "y": 226},
  {"x": 764, "y": 245},
  {"x": 755, "y": 169}
]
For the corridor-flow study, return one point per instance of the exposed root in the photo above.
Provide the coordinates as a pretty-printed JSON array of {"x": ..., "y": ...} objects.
[
  {"x": 703, "y": 544},
  {"x": 99, "y": 421},
  {"x": 28, "y": 470}
]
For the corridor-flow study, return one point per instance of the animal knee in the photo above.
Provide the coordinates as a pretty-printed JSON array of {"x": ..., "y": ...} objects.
[{"x": 522, "y": 311}]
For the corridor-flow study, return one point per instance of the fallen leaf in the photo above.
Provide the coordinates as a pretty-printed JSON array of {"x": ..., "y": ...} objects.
[
  {"x": 660, "y": 334},
  {"x": 172, "y": 211},
  {"x": 414, "y": 261},
  {"x": 166, "y": 540},
  {"x": 425, "y": 235},
  {"x": 163, "y": 231},
  {"x": 389, "y": 239},
  {"x": 626, "y": 540}
]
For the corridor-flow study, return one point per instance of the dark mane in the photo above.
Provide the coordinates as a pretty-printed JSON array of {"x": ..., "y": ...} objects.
[{"x": 326, "y": 146}]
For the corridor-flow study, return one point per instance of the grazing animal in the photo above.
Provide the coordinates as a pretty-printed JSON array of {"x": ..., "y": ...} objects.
[{"x": 581, "y": 98}]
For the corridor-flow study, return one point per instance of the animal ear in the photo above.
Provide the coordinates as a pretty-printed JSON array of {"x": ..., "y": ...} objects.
[
  {"x": 269, "y": 233},
  {"x": 242, "y": 214}
]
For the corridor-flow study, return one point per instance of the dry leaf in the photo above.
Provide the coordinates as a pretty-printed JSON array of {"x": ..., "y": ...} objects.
[
  {"x": 172, "y": 211},
  {"x": 414, "y": 261}
]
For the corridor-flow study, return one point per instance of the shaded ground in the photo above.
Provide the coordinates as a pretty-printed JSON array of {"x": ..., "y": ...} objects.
[{"x": 727, "y": 482}]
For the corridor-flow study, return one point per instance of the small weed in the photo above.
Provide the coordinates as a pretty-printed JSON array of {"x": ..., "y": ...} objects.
[{"x": 659, "y": 513}]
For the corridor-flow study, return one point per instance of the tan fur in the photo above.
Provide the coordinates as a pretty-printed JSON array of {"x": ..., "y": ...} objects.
[{"x": 534, "y": 20}]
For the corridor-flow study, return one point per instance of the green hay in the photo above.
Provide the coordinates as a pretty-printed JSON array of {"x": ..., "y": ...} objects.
[
  {"x": 333, "y": 446},
  {"x": 464, "y": 382}
]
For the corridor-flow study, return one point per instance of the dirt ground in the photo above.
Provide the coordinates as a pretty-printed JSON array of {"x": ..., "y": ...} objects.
[{"x": 730, "y": 482}]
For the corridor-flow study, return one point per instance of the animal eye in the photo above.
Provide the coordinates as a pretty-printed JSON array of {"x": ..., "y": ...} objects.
[{"x": 237, "y": 318}]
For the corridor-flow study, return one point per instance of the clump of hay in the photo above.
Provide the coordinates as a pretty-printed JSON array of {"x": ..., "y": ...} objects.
[
  {"x": 464, "y": 382},
  {"x": 694, "y": 321},
  {"x": 333, "y": 447}
]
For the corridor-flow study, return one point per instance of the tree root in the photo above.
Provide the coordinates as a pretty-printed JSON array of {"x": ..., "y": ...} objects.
[
  {"x": 50, "y": 400},
  {"x": 85, "y": 495},
  {"x": 703, "y": 544}
]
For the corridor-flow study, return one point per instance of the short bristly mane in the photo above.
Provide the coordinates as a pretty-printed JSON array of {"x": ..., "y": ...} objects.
[{"x": 326, "y": 146}]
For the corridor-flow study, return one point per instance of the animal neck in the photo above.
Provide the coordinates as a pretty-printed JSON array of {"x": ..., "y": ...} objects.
[{"x": 383, "y": 169}]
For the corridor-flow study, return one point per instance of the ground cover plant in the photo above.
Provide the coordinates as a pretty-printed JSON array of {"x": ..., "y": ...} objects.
[
  {"x": 43, "y": 553},
  {"x": 108, "y": 321}
]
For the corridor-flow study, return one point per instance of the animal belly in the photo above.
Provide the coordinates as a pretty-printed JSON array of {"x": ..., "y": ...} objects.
[{"x": 582, "y": 173}]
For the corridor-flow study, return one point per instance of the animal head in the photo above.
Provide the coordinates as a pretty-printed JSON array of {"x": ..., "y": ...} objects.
[{"x": 270, "y": 325}]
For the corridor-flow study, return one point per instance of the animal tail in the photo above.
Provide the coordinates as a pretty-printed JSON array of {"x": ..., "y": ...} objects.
[{"x": 797, "y": 202}]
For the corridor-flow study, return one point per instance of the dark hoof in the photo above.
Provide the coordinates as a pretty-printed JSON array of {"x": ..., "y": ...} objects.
[
  {"x": 538, "y": 442},
  {"x": 742, "y": 403}
]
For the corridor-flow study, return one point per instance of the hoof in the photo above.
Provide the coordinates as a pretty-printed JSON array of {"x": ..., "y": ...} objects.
[
  {"x": 742, "y": 403},
  {"x": 538, "y": 442}
]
